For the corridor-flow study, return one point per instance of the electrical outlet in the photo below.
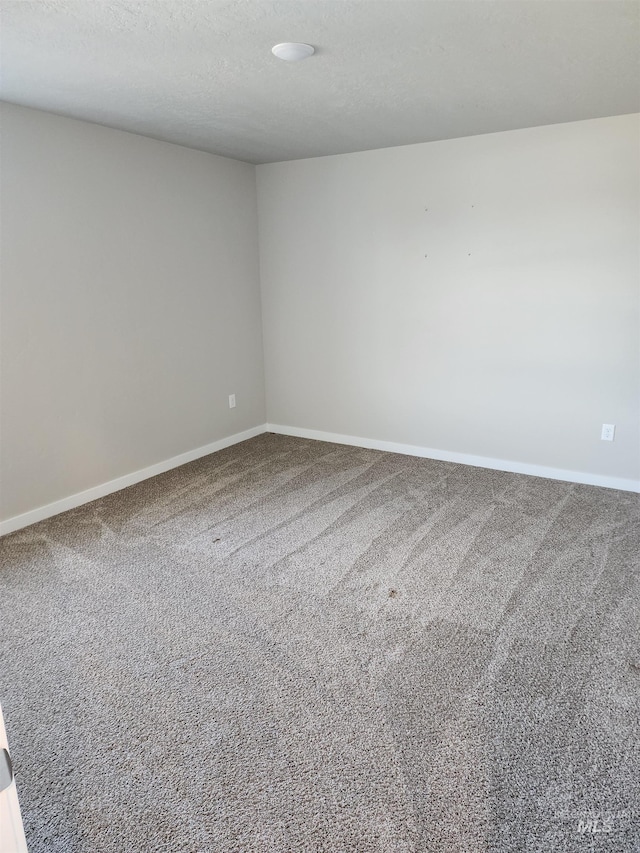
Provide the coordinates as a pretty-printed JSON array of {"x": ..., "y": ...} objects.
[
  {"x": 608, "y": 432},
  {"x": 232, "y": 401}
]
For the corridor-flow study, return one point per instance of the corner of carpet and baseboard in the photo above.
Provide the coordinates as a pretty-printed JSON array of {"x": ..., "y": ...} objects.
[{"x": 25, "y": 519}]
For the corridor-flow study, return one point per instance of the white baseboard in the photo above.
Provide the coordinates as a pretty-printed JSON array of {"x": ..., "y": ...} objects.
[
  {"x": 34, "y": 515},
  {"x": 462, "y": 458},
  {"x": 39, "y": 514}
]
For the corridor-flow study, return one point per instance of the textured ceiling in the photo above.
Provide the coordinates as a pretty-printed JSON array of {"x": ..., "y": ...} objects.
[{"x": 385, "y": 73}]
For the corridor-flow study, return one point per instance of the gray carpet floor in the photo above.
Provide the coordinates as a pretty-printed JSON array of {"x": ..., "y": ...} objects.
[{"x": 298, "y": 646}]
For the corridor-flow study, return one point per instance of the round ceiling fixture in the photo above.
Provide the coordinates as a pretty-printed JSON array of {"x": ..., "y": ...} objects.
[{"x": 292, "y": 51}]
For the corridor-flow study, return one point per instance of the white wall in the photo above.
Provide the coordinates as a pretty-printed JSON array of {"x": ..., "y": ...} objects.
[
  {"x": 516, "y": 336},
  {"x": 130, "y": 304}
]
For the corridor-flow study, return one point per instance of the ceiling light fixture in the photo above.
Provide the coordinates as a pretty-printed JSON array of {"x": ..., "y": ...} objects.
[{"x": 292, "y": 51}]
